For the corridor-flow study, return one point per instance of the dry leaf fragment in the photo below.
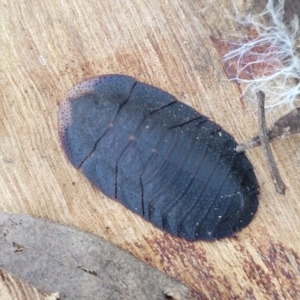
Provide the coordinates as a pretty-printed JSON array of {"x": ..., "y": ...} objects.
[
  {"x": 77, "y": 264},
  {"x": 19, "y": 248}
]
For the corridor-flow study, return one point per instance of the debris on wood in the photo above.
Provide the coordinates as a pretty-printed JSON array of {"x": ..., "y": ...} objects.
[
  {"x": 264, "y": 139},
  {"x": 287, "y": 125},
  {"x": 78, "y": 265}
]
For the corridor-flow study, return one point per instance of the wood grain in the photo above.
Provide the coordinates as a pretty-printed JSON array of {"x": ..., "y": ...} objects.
[
  {"x": 46, "y": 47},
  {"x": 12, "y": 288}
]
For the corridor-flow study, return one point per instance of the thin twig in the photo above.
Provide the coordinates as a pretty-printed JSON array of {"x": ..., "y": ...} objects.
[
  {"x": 285, "y": 126},
  {"x": 264, "y": 138},
  {"x": 249, "y": 144}
]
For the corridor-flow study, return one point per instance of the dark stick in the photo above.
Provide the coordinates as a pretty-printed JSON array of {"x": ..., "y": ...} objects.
[
  {"x": 249, "y": 144},
  {"x": 264, "y": 138},
  {"x": 285, "y": 126}
]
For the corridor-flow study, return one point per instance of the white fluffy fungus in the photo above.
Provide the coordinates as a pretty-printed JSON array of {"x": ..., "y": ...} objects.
[{"x": 273, "y": 52}]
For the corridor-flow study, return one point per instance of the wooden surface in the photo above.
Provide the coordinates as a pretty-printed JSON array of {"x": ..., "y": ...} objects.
[
  {"x": 13, "y": 289},
  {"x": 47, "y": 46}
]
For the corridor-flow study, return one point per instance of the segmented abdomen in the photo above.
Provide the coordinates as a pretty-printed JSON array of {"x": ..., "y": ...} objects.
[{"x": 158, "y": 157}]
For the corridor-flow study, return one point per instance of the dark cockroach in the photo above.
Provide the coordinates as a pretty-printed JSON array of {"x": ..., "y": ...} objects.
[{"x": 159, "y": 157}]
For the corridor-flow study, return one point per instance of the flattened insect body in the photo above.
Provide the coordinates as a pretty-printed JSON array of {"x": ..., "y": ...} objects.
[{"x": 159, "y": 157}]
